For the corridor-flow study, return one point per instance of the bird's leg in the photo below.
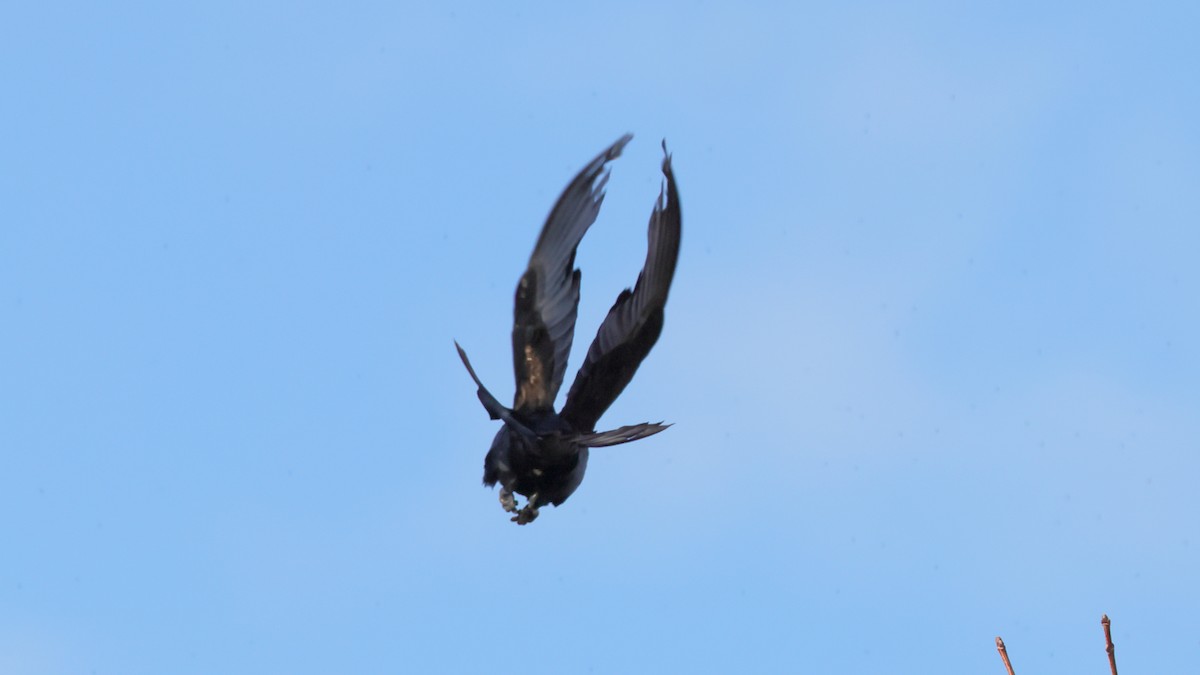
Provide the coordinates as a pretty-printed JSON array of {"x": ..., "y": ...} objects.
[
  {"x": 507, "y": 501},
  {"x": 529, "y": 513}
]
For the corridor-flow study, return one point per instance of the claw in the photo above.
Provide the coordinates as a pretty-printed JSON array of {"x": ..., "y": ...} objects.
[
  {"x": 507, "y": 501},
  {"x": 526, "y": 516},
  {"x": 529, "y": 513}
]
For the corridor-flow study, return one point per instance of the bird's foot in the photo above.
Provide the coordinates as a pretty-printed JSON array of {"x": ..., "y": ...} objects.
[
  {"x": 525, "y": 516},
  {"x": 507, "y": 501},
  {"x": 529, "y": 513}
]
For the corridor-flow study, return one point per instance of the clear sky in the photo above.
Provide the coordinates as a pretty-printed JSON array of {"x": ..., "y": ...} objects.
[{"x": 932, "y": 353}]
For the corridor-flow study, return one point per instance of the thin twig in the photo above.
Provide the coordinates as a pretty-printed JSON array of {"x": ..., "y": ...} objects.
[
  {"x": 1004, "y": 655},
  {"x": 1108, "y": 645}
]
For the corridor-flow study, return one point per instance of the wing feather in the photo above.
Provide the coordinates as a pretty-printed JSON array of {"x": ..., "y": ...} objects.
[
  {"x": 547, "y": 295},
  {"x": 635, "y": 320}
]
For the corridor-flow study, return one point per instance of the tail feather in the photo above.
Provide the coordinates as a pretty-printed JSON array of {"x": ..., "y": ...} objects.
[
  {"x": 493, "y": 407},
  {"x": 625, "y": 434}
]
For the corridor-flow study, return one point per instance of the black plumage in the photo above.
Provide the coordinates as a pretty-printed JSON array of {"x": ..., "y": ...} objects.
[{"x": 540, "y": 453}]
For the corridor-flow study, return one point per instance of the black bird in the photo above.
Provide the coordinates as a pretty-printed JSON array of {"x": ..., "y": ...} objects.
[{"x": 540, "y": 453}]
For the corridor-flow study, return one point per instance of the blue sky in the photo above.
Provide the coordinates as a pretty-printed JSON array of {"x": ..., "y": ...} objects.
[{"x": 932, "y": 353}]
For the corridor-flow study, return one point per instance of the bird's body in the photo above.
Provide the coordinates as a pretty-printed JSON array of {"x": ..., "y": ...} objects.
[
  {"x": 551, "y": 466},
  {"x": 540, "y": 453}
]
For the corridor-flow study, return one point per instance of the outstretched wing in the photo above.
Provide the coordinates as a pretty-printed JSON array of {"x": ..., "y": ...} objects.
[
  {"x": 548, "y": 293},
  {"x": 634, "y": 322}
]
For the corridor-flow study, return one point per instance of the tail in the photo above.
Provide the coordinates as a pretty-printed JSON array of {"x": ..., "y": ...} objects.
[
  {"x": 625, "y": 434},
  {"x": 493, "y": 407}
]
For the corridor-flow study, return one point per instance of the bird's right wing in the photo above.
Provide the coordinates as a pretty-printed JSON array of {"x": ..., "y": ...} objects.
[
  {"x": 634, "y": 322},
  {"x": 547, "y": 294}
]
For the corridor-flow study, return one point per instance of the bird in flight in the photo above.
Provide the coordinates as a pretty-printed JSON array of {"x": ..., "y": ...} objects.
[{"x": 539, "y": 453}]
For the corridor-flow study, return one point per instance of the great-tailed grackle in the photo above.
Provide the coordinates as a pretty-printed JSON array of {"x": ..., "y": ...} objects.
[{"x": 540, "y": 453}]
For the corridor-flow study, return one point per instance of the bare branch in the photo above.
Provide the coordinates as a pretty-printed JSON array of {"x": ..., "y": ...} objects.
[
  {"x": 1108, "y": 643},
  {"x": 1004, "y": 655}
]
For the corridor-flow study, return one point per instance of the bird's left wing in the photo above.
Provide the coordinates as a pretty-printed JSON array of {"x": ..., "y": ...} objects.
[{"x": 547, "y": 296}]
